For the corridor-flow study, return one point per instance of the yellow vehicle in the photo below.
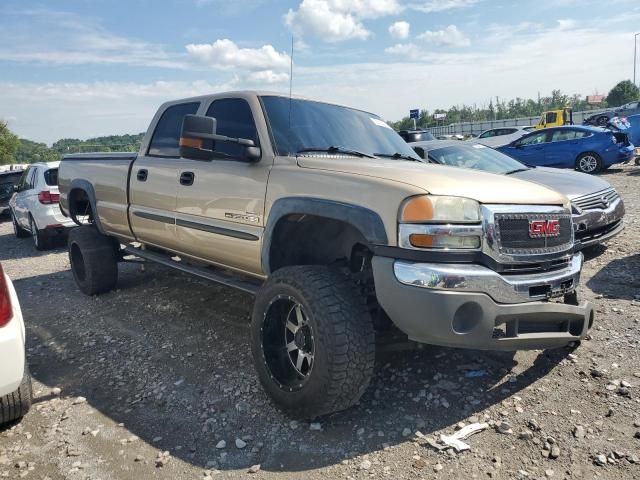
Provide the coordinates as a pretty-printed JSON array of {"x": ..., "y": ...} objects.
[{"x": 555, "y": 118}]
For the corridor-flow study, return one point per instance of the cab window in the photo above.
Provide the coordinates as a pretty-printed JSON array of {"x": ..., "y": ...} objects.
[
  {"x": 233, "y": 119},
  {"x": 551, "y": 117},
  {"x": 166, "y": 137}
]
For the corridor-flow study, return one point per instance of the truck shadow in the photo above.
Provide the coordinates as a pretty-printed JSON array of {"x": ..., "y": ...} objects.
[
  {"x": 618, "y": 279},
  {"x": 168, "y": 356}
]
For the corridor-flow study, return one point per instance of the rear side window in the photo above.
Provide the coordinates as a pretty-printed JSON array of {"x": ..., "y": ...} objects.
[
  {"x": 166, "y": 137},
  {"x": 233, "y": 119},
  {"x": 51, "y": 177}
]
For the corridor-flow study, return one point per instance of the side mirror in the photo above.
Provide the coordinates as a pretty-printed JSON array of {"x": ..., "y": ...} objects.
[
  {"x": 419, "y": 151},
  {"x": 195, "y": 130},
  {"x": 198, "y": 137},
  {"x": 16, "y": 188}
]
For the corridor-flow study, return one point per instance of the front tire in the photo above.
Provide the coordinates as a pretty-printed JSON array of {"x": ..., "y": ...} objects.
[
  {"x": 312, "y": 341},
  {"x": 94, "y": 260},
  {"x": 41, "y": 240},
  {"x": 589, "y": 162},
  {"x": 17, "y": 404}
]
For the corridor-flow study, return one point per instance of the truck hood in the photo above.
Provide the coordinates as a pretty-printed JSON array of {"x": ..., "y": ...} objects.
[
  {"x": 569, "y": 183},
  {"x": 442, "y": 180}
]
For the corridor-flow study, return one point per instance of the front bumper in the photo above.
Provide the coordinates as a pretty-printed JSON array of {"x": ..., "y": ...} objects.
[
  {"x": 596, "y": 226},
  {"x": 470, "y": 306}
]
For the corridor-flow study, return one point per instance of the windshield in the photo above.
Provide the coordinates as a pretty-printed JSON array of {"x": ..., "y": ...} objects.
[
  {"x": 297, "y": 125},
  {"x": 477, "y": 157}
]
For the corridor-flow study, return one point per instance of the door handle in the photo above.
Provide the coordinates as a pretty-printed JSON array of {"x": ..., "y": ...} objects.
[
  {"x": 187, "y": 178},
  {"x": 142, "y": 175}
]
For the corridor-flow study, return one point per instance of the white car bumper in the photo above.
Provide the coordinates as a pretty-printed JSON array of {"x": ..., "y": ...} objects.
[
  {"x": 12, "y": 351},
  {"x": 50, "y": 217}
]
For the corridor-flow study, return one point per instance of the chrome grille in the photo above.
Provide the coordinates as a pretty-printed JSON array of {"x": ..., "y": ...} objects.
[
  {"x": 597, "y": 201},
  {"x": 512, "y": 232}
]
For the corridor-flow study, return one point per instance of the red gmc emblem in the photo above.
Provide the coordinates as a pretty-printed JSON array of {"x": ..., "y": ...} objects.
[{"x": 544, "y": 228}]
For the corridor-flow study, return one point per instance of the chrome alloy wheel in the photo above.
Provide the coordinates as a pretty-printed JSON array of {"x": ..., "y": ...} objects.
[{"x": 588, "y": 164}]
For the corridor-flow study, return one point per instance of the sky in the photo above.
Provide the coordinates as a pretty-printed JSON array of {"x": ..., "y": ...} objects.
[{"x": 85, "y": 68}]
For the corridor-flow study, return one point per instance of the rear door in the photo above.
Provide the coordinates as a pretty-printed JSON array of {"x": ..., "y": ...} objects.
[
  {"x": 25, "y": 196},
  {"x": 154, "y": 180},
  {"x": 220, "y": 203},
  {"x": 562, "y": 148}
]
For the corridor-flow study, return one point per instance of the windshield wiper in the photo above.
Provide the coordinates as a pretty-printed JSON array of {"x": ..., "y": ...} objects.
[
  {"x": 397, "y": 156},
  {"x": 335, "y": 149},
  {"x": 517, "y": 170}
]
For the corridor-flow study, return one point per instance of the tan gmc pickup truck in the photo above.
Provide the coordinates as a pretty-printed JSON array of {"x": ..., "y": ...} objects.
[{"x": 338, "y": 228}]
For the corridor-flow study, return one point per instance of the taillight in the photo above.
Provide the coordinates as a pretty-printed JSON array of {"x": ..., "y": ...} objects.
[
  {"x": 6, "y": 312},
  {"x": 46, "y": 197}
]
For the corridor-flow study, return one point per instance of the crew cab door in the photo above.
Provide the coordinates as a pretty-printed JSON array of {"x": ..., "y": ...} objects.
[
  {"x": 220, "y": 202},
  {"x": 154, "y": 180}
]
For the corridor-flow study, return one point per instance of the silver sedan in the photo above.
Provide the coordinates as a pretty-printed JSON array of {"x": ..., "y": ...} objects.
[{"x": 597, "y": 208}]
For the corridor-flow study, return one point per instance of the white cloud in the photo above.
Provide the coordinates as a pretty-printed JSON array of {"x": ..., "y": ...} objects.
[
  {"x": 267, "y": 77},
  {"x": 408, "y": 50},
  {"x": 441, "y": 5},
  {"x": 337, "y": 20},
  {"x": 448, "y": 37},
  {"x": 567, "y": 24},
  {"x": 400, "y": 30},
  {"x": 224, "y": 54}
]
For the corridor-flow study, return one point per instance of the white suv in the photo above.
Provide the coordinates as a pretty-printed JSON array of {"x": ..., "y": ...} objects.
[
  {"x": 15, "y": 381},
  {"x": 34, "y": 207}
]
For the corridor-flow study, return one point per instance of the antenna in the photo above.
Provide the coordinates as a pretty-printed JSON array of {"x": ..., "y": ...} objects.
[{"x": 290, "y": 81}]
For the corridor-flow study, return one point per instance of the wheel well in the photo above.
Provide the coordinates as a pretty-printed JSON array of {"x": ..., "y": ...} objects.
[
  {"x": 301, "y": 239},
  {"x": 79, "y": 204}
]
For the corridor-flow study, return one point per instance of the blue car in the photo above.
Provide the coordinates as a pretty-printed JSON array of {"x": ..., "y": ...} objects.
[{"x": 587, "y": 149}]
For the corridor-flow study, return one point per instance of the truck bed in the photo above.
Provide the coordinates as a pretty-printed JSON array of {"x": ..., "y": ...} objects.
[{"x": 107, "y": 173}]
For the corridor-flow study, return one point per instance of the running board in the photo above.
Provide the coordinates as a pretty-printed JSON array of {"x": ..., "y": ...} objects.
[{"x": 209, "y": 273}]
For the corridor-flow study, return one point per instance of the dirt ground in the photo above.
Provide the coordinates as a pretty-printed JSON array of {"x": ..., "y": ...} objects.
[{"x": 155, "y": 380}]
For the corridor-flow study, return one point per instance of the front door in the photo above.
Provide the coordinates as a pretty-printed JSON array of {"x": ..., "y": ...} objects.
[
  {"x": 25, "y": 195},
  {"x": 529, "y": 149},
  {"x": 220, "y": 203},
  {"x": 154, "y": 181}
]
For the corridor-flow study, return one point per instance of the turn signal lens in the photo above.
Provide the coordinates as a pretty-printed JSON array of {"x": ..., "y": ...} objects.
[
  {"x": 437, "y": 209},
  {"x": 443, "y": 241}
]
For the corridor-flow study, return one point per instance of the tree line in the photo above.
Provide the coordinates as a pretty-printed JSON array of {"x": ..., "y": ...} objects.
[{"x": 500, "y": 109}]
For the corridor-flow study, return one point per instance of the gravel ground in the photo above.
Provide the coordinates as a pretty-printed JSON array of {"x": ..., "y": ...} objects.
[{"x": 155, "y": 380}]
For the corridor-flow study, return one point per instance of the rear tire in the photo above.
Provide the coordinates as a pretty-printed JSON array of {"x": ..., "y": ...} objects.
[
  {"x": 589, "y": 162},
  {"x": 316, "y": 313},
  {"x": 41, "y": 239},
  {"x": 17, "y": 404},
  {"x": 94, "y": 260},
  {"x": 18, "y": 231}
]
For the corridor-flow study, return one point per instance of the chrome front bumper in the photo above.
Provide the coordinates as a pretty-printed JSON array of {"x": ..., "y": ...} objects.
[{"x": 480, "y": 279}]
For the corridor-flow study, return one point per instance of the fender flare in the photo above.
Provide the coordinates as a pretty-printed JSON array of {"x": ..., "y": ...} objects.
[
  {"x": 86, "y": 187},
  {"x": 366, "y": 221}
]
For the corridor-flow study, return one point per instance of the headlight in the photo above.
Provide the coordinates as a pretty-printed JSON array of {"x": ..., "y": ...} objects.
[
  {"x": 434, "y": 209},
  {"x": 440, "y": 223}
]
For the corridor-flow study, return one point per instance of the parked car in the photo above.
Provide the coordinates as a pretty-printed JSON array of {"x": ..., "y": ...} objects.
[
  {"x": 8, "y": 180},
  {"x": 15, "y": 380},
  {"x": 497, "y": 137},
  {"x": 34, "y": 205},
  {"x": 597, "y": 209},
  {"x": 587, "y": 149},
  {"x": 456, "y": 136},
  {"x": 335, "y": 230},
  {"x": 632, "y": 108},
  {"x": 416, "y": 135}
]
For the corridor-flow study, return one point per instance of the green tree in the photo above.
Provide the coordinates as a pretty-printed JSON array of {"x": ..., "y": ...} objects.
[
  {"x": 8, "y": 144},
  {"x": 31, "y": 152},
  {"x": 623, "y": 92}
]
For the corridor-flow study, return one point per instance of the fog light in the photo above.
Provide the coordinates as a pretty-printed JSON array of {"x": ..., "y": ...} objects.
[{"x": 467, "y": 317}]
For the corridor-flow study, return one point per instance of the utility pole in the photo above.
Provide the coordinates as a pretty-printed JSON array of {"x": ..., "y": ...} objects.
[{"x": 635, "y": 56}]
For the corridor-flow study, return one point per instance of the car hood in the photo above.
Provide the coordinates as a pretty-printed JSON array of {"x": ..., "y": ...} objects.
[
  {"x": 569, "y": 183},
  {"x": 442, "y": 180}
]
